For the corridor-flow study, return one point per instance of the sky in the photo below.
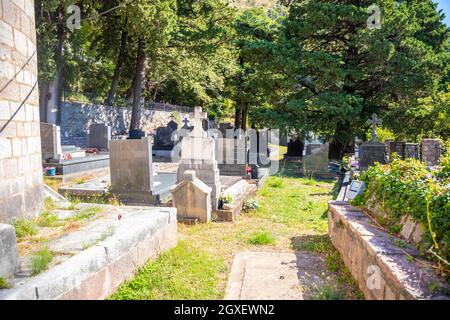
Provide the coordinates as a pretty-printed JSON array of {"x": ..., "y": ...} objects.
[{"x": 445, "y": 6}]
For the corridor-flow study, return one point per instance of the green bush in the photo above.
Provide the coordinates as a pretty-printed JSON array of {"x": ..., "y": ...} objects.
[{"x": 409, "y": 187}]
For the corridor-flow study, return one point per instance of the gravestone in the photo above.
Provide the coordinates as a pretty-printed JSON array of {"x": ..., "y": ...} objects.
[
  {"x": 9, "y": 254},
  {"x": 51, "y": 141},
  {"x": 192, "y": 198},
  {"x": 295, "y": 149},
  {"x": 197, "y": 152},
  {"x": 317, "y": 161},
  {"x": 258, "y": 153},
  {"x": 397, "y": 147},
  {"x": 132, "y": 170},
  {"x": 412, "y": 150},
  {"x": 372, "y": 151},
  {"x": 388, "y": 143},
  {"x": 99, "y": 136},
  {"x": 431, "y": 151},
  {"x": 164, "y": 135},
  {"x": 311, "y": 147},
  {"x": 231, "y": 155}
]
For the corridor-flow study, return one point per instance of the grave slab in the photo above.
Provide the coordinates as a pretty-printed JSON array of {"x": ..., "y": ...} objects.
[
  {"x": 275, "y": 276},
  {"x": 93, "y": 261}
]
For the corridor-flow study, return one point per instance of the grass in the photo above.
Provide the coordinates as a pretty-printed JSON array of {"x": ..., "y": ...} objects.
[
  {"x": 4, "y": 284},
  {"x": 291, "y": 216},
  {"x": 40, "y": 260},
  {"x": 86, "y": 213},
  {"x": 261, "y": 238},
  {"x": 73, "y": 204},
  {"x": 180, "y": 273},
  {"x": 48, "y": 219}
]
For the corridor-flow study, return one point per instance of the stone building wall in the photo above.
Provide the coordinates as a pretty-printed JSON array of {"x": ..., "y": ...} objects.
[
  {"x": 20, "y": 145},
  {"x": 76, "y": 119}
]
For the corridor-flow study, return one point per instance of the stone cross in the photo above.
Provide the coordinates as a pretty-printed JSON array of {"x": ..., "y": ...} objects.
[
  {"x": 186, "y": 123},
  {"x": 374, "y": 121},
  {"x": 198, "y": 120}
]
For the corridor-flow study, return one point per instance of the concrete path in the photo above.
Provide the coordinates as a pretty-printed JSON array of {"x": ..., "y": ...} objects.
[{"x": 275, "y": 276}]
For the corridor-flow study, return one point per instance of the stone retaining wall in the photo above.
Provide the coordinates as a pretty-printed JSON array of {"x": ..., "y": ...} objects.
[
  {"x": 21, "y": 192},
  {"x": 76, "y": 119},
  {"x": 381, "y": 268}
]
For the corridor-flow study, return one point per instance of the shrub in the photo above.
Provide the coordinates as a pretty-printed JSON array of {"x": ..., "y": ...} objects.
[{"x": 409, "y": 187}]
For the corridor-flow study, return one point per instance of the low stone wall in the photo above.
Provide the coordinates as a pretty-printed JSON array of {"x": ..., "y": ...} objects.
[
  {"x": 76, "y": 119},
  {"x": 383, "y": 270},
  {"x": 96, "y": 272}
]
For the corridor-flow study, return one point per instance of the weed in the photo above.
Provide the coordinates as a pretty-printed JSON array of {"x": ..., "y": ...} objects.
[
  {"x": 4, "y": 284},
  {"x": 328, "y": 293},
  {"x": 261, "y": 238},
  {"x": 25, "y": 227},
  {"x": 47, "y": 219},
  {"x": 40, "y": 260}
]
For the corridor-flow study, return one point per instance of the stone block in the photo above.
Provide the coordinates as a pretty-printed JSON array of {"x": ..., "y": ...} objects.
[
  {"x": 99, "y": 136},
  {"x": 50, "y": 141},
  {"x": 6, "y": 33},
  {"x": 132, "y": 170},
  {"x": 9, "y": 255},
  {"x": 397, "y": 147},
  {"x": 192, "y": 198},
  {"x": 412, "y": 150}
]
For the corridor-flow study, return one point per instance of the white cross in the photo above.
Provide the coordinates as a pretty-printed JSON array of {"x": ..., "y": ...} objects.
[{"x": 198, "y": 117}]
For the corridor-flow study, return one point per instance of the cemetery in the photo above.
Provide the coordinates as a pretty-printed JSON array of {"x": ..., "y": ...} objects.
[{"x": 217, "y": 174}]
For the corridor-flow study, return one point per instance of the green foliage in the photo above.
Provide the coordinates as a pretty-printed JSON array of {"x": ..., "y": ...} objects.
[
  {"x": 407, "y": 187},
  {"x": 226, "y": 198},
  {"x": 25, "y": 227},
  {"x": 4, "y": 284},
  {"x": 330, "y": 79},
  {"x": 40, "y": 260},
  {"x": 261, "y": 238}
]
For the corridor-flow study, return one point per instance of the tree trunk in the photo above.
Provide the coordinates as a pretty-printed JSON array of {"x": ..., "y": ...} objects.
[
  {"x": 51, "y": 97},
  {"x": 43, "y": 99},
  {"x": 336, "y": 151},
  {"x": 244, "y": 118},
  {"x": 338, "y": 145},
  {"x": 237, "y": 117},
  {"x": 139, "y": 77},
  {"x": 115, "y": 80}
]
